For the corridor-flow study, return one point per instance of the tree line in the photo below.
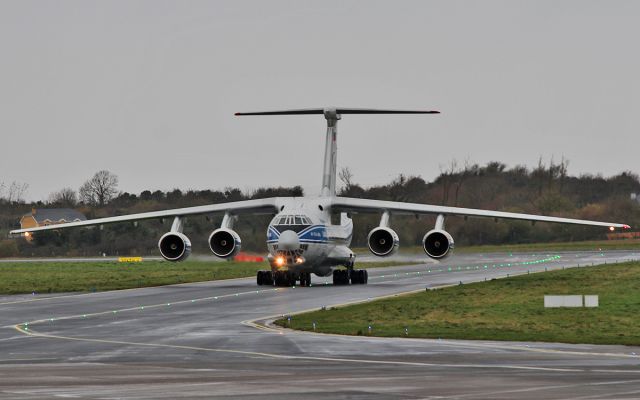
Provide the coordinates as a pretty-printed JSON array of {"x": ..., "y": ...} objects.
[{"x": 545, "y": 189}]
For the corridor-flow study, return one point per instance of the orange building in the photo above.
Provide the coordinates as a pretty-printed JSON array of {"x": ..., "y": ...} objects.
[{"x": 49, "y": 216}]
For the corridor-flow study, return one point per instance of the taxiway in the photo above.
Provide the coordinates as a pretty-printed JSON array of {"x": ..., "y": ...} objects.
[{"x": 214, "y": 340}]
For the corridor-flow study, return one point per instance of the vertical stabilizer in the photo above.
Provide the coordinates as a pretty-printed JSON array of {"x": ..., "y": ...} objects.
[
  {"x": 332, "y": 115},
  {"x": 330, "y": 153}
]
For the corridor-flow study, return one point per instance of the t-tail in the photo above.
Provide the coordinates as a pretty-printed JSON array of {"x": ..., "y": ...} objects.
[{"x": 332, "y": 115}]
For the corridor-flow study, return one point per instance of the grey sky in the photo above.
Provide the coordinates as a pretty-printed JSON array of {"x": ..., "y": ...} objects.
[{"x": 147, "y": 89}]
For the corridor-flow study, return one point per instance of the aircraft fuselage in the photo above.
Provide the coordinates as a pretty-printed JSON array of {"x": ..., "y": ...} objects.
[{"x": 302, "y": 238}]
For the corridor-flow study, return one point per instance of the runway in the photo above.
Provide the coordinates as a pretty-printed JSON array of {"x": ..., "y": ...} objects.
[{"x": 214, "y": 340}]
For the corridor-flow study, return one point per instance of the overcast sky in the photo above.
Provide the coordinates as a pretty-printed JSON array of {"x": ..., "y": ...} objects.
[{"x": 147, "y": 89}]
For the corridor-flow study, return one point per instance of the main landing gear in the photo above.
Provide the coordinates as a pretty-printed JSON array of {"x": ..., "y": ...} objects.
[
  {"x": 356, "y": 276},
  {"x": 283, "y": 278}
]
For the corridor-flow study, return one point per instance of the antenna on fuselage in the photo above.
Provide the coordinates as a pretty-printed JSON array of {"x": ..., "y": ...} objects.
[{"x": 332, "y": 115}]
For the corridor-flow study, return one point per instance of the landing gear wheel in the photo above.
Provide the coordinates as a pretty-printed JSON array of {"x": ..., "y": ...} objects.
[
  {"x": 359, "y": 276},
  {"x": 268, "y": 278},
  {"x": 264, "y": 278},
  {"x": 291, "y": 279},
  {"x": 356, "y": 277},
  {"x": 340, "y": 277},
  {"x": 305, "y": 279},
  {"x": 260, "y": 278}
]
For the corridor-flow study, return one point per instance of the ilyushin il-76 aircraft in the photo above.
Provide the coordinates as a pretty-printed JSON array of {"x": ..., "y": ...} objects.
[{"x": 301, "y": 238}]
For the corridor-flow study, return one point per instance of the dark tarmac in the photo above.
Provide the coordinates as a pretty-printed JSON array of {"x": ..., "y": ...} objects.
[{"x": 214, "y": 340}]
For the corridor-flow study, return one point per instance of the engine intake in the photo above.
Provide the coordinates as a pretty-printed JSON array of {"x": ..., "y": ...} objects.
[
  {"x": 174, "y": 246},
  {"x": 383, "y": 241},
  {"x": 438, "y": 244},
  {"x": 224, "y": 243}
]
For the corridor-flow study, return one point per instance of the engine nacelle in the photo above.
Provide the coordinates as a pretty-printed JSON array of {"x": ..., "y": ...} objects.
[
  {"x": 383, "y": 241},
  {"x": 174, "y": 246},
  {"x": 438, "y": 244},
  {"x": 224, "y": 243}
]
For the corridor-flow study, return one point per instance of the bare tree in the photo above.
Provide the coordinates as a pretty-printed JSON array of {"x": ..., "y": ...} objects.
[
  {"x": 65, "y": 197},
  {"x": 13, "y": 193},
  {"x": 462, "y": 174},
  {"x": 346, "y": 177},
  {"x": 445, "y": 177},
  {"x": 100, "y": 189}
]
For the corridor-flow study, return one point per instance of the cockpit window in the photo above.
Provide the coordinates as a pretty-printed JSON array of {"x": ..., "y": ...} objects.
[{"x": 292, "y": 220}]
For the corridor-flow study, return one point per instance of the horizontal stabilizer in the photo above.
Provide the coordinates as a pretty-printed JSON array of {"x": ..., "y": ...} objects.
[{"x": 338, "y": 110}]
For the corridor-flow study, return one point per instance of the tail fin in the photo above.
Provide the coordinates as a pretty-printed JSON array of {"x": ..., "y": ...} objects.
[
  {"x": 332, "y": 115},
  {"x": 341, "y": 110}
]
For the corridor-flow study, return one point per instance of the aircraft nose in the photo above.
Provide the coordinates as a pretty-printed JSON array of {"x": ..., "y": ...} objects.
[{"x": 288, "y": 241}]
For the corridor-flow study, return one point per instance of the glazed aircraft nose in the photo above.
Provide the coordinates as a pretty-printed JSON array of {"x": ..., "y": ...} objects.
[{"x": 288, "y": 241}]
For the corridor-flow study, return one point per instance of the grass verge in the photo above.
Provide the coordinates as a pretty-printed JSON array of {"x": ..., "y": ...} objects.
[
  {"x": 504, "y": 309},
  {"x": 593, "y": 245},
  {"x": 55, "y": 277}
]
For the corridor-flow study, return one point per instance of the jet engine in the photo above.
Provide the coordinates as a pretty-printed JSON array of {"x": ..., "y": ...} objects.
[
  {"x": 174, "y": 246},
  {"x": 383, "y": 241},
  {"x": 438, "y": 243},
  {"x": 224, "y": 243}
]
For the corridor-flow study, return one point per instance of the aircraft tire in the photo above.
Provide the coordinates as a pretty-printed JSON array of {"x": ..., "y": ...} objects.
[
  {"x": 305, "y": 279},
  {"x": 268, "y": 278},
  {"x": 260, "y": 278},
  {"x": 357, "y": 277},
  {"x": 291, "y": 278},
  {"x": 340, "y": 277},
  {"x": 282, "y": 279}
]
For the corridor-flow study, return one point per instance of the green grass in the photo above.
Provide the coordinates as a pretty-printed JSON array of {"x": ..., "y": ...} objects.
[
  {"x": 503, "y": 309},
  {"x": 594, "y": 245},
  {"x": 54, "y": 277}
]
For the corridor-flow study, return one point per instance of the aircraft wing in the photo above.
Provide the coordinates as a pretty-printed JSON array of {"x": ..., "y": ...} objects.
[
  {"x": 395, "y": 207},
  {"x": 259, "y": 206}
]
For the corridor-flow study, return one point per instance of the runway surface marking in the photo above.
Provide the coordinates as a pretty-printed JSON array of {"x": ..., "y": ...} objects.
[
  {"x": 410, "y": 275},
  {"x": 291, "y": 357},
  {"x": 66, "y": 296},
  {"x": 152, "y": 306},
  {"x": 24, "y": 328},
  {"x": 539, "y": 388}
]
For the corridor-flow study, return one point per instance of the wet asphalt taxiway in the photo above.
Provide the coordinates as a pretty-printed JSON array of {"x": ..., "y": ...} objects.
[{"x": 214, "y": 340}]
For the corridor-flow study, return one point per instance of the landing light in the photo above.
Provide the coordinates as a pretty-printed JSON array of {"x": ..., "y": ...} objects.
[
  {"x": 299, "y": 260},
  {"x": 611, "y": 228},
  {"x": 279, "y": 261}
]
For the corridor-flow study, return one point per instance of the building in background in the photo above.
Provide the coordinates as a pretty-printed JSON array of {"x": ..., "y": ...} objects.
[{"x": 49, "y": 216}]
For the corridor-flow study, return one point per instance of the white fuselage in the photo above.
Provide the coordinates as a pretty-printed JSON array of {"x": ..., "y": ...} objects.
[{"x": 301, "y": 237}]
